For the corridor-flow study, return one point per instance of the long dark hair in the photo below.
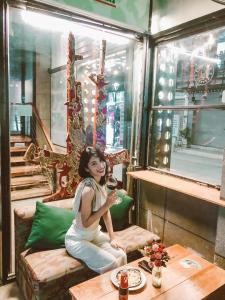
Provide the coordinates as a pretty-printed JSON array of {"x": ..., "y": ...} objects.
[{"x": 84, "y": 160}]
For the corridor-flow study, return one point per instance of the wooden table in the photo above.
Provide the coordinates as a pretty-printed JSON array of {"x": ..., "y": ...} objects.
[{"x": 178, "y": 282}]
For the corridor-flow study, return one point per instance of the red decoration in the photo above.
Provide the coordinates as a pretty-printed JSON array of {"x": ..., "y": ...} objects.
[
  {"x": 157, "y": 253},
  {"x": 67, "y": 164}
]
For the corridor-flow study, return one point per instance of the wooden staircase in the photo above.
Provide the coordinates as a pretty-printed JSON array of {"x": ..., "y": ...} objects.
[{"x": 27, "y": 180}]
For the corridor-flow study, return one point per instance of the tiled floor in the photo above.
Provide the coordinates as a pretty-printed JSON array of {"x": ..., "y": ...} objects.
[{"x": 10, "y": 292}]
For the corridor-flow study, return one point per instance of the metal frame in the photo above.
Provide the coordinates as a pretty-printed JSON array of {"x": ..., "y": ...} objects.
[
  {"x": 147, "y": 85},
  {"x": 5, "y": 144},
  {"x": 146, "y": 98}
]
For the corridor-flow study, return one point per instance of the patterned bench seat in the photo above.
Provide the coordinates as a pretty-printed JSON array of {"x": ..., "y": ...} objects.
[{"x": 49, "y": 274}]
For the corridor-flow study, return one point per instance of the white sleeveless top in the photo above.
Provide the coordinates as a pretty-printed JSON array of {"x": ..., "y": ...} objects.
[{"x": 98, "y": 201}]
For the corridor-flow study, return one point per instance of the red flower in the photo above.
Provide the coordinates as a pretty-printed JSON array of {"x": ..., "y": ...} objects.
[
  {"x": 158, "y": 263},
  {"x": 157, "y": 254},
  {"x": 148, "y": 250},
  {"x": 152, "y": 257}
]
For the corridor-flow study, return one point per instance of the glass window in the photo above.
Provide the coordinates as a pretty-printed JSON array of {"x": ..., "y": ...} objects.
[
  {"x": 188, "y": 107},
  {"x": 191, "y": 71},
  {"x": 38, "y": 46}
]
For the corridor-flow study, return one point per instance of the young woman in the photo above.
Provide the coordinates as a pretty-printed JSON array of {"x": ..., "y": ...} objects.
[{"x": 84, "y": 240}]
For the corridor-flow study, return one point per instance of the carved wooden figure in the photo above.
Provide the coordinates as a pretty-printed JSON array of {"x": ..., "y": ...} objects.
[{"x": 67, "y": 164}]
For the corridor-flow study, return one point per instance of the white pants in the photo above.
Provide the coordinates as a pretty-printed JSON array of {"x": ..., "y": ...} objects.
[{"x": 94, "y": 249}]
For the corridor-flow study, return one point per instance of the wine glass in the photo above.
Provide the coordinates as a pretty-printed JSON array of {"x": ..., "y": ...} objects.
[{"x": 112, "y": 185}]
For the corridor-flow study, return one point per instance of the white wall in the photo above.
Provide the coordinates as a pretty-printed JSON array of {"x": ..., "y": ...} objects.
[{"x": 170, "y": 13}]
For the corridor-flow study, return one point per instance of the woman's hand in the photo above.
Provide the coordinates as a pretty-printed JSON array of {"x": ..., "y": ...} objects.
[
  {"x": 111, "y": 198},
  {"x": 117, "y": 245}
]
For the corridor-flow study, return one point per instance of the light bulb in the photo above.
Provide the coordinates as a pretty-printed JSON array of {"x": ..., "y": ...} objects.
[
  {"x": 170, "y": 82},
  {"x": 162, "y": 67},
  {"x": 168, "y": 122},
  {"x": 159, "y": 122},
  {"x": 162, "y": 80},
  {"x": 161, "y": 95},
  {"x": 165, "y": 160},
  {"x": 166, "y": 148},
  {"x": 167, "y": 135},
  {"x": 170, "y": 96}
]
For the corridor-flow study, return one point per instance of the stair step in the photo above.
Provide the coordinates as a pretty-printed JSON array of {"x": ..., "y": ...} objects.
[
  {"x": 17, "y": 160},
  {"x": 27, "y": 181},
  {"x": 25, "y": 170},
  {"x": 30, "y": 193},
  {"x": 18, "y": 150},
  {"x": 19, "y": 139}
]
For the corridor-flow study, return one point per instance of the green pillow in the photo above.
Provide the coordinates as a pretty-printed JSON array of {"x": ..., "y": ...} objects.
[
  {"x": 49, "y": 227},
  {"x": 120, "y": 213}
]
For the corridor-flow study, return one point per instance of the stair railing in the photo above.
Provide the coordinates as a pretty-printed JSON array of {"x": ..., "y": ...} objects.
[
  {"x": 27, "y": 121},
  {"x": 42, "y": 128}
]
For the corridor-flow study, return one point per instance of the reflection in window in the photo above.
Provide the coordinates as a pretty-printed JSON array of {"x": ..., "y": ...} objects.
[
  {"x": 38, "y": 73},
  {"x": 193, "y": 143},
  {"x": 190, "y": 72}
]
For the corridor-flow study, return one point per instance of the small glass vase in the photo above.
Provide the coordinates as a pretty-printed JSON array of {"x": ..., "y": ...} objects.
[{"x": 157, "y": 276}]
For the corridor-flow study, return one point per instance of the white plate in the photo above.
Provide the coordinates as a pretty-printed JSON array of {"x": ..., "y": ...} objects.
[{"x": 134, "y": 288}]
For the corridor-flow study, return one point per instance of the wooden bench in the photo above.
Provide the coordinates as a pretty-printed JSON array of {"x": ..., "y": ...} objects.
[{"x": 48, "y": 274}]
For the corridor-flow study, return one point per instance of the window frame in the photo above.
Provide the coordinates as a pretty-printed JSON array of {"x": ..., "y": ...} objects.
[{"x": 185, "y": 30}]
